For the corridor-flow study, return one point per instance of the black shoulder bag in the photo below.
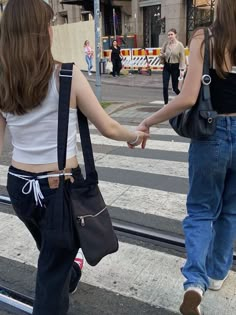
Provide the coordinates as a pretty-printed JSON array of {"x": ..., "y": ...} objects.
[
  {"x": 200, "y": 120},
  {"x": 90, "y": 215}
]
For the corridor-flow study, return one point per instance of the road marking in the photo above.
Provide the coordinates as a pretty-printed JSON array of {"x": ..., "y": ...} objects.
[
  {"x": 134, "y": 198},
  {"x": 151, "y": 144},
  {"x": 154, "y": 130},
  {"x": 147, "y": 275},
  {"x": 161, "y": 102},
  {"x": 145, "y": 200},
  {"x": 157, "y": 102},
  {"x": 131, "y": 163}
]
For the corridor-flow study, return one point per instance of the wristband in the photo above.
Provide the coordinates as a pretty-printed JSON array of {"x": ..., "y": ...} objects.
[{"x": 134, "y": 142}]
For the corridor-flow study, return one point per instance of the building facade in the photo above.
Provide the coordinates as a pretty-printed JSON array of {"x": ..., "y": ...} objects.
[{"x": 149, "y": 20}]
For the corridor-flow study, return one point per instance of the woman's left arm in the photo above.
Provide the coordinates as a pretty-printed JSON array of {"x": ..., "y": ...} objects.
[
  {"x": 182, "y": 57},
  {"x": 189, "y": 93},
  {"x": 2, "y": 131}
]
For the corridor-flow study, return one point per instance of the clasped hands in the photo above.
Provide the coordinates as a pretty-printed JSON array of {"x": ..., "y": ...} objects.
[{"x": 143, "y": 134}]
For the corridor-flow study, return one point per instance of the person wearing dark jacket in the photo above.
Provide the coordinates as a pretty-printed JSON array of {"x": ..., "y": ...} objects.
[{"x": 116, "y": 58}]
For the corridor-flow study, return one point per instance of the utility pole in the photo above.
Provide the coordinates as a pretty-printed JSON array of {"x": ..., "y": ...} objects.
[
  {"x": 114, "y": 22},
  {"x": 97, "y": 48}
]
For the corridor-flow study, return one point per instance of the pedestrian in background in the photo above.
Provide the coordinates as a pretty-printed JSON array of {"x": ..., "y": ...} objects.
[
  {"x": 116, "y": 58},
  {"x": 173, "y": 56},
  {"x": 210, "y": 226},
  {"x": 88, "y": 56},
  {"x": 29, "y": 85}
]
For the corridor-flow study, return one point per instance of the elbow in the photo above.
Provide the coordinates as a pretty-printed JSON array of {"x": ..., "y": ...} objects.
[
  {"x": 110, "y": 131},
  {"x": 188, "y": 101},
  {"x": 192, "y": 101}
]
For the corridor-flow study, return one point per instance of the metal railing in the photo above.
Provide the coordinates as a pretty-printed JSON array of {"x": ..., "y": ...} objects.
[{"x": 16, "y": 300}]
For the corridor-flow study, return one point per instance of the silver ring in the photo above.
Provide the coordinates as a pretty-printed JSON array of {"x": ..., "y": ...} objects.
[{"x": 206, "y": 79}]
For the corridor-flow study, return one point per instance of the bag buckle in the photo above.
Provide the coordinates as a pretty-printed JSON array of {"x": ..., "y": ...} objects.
[
  {"x": 206, "y": 79},
  {"x": 66, "y": 73}
]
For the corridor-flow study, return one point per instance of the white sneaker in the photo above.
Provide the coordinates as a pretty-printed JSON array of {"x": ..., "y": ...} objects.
[
  {"x": 216, "y": 285},
  {"x": 191, "y": 302},
  {"x": 79, "y": 259},
  {"x": 90, "y": 73}
]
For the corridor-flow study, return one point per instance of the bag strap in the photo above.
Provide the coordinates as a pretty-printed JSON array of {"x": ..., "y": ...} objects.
[
  {"x": 63, "y": 120},
  {"x": 206, "y": 66},
  {"x": 90, "y": 170},
  {"x": 65, "y": 78}
]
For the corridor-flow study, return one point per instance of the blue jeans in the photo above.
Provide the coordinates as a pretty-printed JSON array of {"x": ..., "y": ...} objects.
[
  {"x": 210, "y": 226},
  {"x": 89, "y": 62}
]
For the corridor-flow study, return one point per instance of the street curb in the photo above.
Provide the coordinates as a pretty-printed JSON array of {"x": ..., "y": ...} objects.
[
  {"x": 108, "y": 82},
  {"x": 118, "y": 106},
  {"x": 157, "y": 87}
]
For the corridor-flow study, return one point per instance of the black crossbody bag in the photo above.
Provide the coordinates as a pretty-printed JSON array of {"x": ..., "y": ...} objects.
[
  {"x": 91, "y": 219},
  {"x": 200, "y": 120}
]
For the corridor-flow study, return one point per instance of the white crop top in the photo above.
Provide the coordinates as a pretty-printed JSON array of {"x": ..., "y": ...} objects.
[{"x": 34, "y": 134}]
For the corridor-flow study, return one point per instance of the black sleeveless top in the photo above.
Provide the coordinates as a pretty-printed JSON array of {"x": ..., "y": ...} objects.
[
  {"x": 223, "y": 92},
  {"x": 115, "y": 53}
]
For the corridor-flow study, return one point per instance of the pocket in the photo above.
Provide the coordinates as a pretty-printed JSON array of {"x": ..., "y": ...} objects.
[{"x": 204, "y": 156}]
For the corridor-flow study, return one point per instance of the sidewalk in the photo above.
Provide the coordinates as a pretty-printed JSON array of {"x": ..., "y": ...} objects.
[{"x": 143, "y": 81}]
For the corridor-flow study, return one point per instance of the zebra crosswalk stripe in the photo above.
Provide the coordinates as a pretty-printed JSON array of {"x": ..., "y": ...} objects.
[
  {"x": 151, "y": 144},
  {"x": 152, "y": 166},
  {"x": 154, "y": 275},
  {"x": 130, "y": 196},
  {"x": 147, "y": 275},
  {"x": 167, "y": 131}
]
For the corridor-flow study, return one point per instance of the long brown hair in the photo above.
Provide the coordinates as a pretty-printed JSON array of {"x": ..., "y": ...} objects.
[
  {"x": 26, "y": 62},
  {"x": 223, "y": 30}
]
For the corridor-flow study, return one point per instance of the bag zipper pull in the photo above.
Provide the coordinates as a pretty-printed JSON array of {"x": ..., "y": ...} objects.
[{"x": 82, "y": 222}]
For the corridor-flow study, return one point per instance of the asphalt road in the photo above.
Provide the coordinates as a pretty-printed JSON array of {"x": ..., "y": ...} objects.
[{"x": 128, "y": 93}]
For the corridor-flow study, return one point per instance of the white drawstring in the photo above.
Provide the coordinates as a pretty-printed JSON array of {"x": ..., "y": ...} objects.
[
  {"x": 33, "y": 183},
  {"x": 38, "y": 196}
]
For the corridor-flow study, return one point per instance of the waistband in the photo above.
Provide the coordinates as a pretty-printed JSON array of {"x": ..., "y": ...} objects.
[
  {"x": 42, "y": 175},
  {"x": 226, "y": 121},
  {"x": 32, "y": 180}
]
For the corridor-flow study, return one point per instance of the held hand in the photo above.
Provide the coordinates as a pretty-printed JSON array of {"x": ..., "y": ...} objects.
[
  {"x": 144, "y": 128},
  {"x": 140, "y": 139}
]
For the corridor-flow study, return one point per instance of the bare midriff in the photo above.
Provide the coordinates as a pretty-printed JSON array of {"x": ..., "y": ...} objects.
[{"x": 39, "y": 168}]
